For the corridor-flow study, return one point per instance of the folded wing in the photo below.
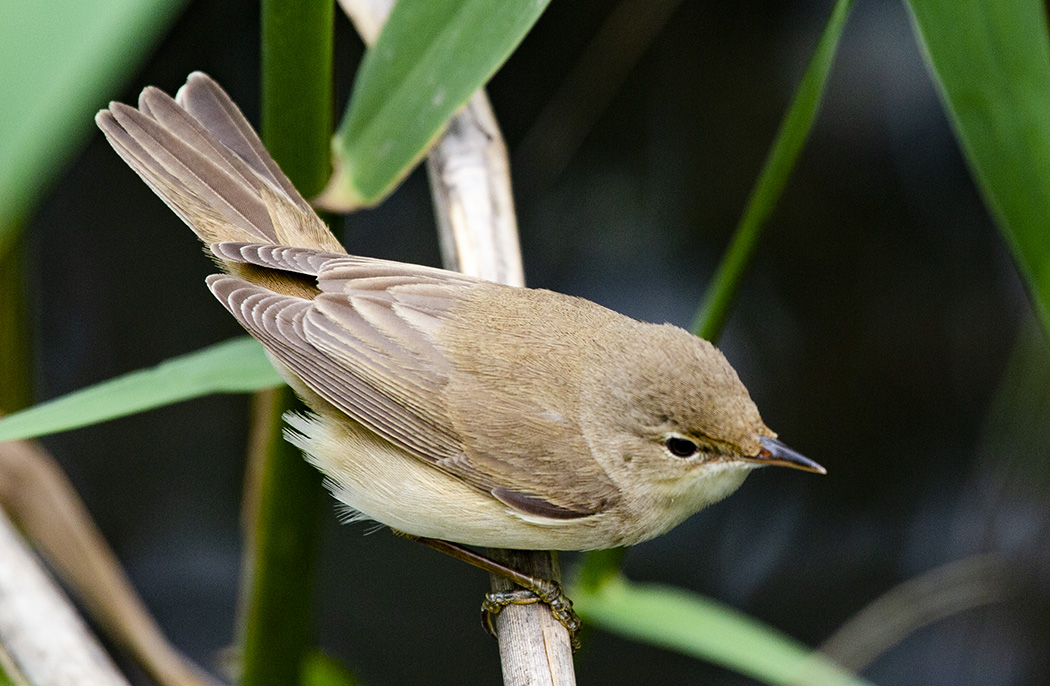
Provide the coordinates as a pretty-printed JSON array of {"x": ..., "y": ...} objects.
[{"x": 367, "y": 344}]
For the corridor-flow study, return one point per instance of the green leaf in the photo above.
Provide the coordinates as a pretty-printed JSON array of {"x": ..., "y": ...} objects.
[
  {"x": 58, "y": 62},
  {"x": 234, "y": 366},
  {"x": 792, "y": 136},
  {"x": 690, "y": 624},
  {"x": 430, "y": 58},
  {"x": 991, "y": 62}
]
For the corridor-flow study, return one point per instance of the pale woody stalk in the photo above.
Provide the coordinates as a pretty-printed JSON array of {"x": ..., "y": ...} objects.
[{"x": 43, "y": 638}]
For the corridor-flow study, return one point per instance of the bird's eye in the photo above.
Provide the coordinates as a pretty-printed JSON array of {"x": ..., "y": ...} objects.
[{"x": 681, "y": 447}]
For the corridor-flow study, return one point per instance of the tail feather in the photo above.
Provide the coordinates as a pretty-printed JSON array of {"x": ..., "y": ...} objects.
[
  {"x": 209, "y": 104},
  {"x": 204, "y": 160},
  {"x": 208, "y": 156},
  {"x": 198, "y": 186},
  {"x": 156, "y": 177}
]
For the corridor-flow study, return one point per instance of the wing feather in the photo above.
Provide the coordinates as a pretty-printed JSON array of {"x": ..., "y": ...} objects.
[
  {"x": 285, "y": 258},
  {"x": 369, "y": 345},
  {"x": 277, "y": 321}
]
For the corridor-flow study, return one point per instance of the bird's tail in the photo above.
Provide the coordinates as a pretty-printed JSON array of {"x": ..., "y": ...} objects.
[{"x": 202, "y": 157}]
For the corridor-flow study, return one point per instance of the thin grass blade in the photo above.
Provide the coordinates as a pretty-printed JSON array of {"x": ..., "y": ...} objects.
[{"x": 234, "y": 366}]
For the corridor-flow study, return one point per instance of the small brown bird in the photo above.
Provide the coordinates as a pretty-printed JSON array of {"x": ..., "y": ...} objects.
[{"x": 445, "y": 406}]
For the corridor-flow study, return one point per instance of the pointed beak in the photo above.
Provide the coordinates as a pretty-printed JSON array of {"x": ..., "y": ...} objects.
[{"x": 776, "y": 453}]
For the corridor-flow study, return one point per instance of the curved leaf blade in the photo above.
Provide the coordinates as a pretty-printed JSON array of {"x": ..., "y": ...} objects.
[
  {"x": 783, "y": 155},
  {"x": 58, "y": 60},
  {"x": 685, "y": 622},
  {"x": 991, "y": 63},
  {"x": 430, "y": 58},
  {"x": 791, "y": 138},
  {"x": 234, "y": 366}
]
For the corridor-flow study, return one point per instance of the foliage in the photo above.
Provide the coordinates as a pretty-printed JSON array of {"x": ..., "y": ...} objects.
[
  {"x": 991, "y": 61},
  {"x": 58, "y": 62},
  {"x": 428, "y": 61}
]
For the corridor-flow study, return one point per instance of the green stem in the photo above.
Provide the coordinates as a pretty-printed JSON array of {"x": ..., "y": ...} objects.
[
  {"x": 278, "y": 620},
  {"x": 296, "y": 128},
  {"x": 792, "y": 136},
  {"x": 297, "y": 89},
  {"x": 16, "y": 357}
]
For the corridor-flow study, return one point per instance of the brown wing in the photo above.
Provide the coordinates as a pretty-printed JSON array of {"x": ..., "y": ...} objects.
[{"x": 369, "y": 344}]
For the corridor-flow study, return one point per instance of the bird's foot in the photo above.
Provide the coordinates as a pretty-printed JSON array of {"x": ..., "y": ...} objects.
[{"x": 544, "y": 591}]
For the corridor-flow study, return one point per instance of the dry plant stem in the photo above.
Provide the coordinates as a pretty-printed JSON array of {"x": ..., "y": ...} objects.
[
  {"x": 473, "y": 203},
  {"x": 37, "y": 495},
  {"x": 470, "y": 181},
  {"x": 368, "y": 16},
  {"x": 42, "y": 634},
  {"x": 915, "y": 603},
  {"x": 534, "y": 648},
  {"x": 258, "y": 438},
  {"x": 259, "y": 432}
]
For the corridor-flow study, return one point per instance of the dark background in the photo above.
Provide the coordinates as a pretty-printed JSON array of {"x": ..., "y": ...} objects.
[{"x": 873, "y": 330}]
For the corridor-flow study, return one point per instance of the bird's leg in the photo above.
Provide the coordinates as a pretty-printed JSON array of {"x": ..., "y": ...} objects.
[{"x": 532, "y": 589}]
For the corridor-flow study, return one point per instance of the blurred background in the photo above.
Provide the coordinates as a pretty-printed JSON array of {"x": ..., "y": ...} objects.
[{"x": 883, "y": 331}]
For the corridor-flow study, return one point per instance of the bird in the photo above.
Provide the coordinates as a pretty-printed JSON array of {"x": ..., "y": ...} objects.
[{"x": 446, "y": 407}]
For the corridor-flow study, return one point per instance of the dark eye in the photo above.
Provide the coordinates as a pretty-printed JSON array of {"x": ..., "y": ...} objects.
[{"x": 681, "y": 447}]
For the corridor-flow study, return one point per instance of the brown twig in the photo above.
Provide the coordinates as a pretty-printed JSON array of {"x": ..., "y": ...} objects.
[
  {"x": 37, "y": 495},
  {"x": 45, "y": 641},
  {"x": 904, "y": 609},
  {"x": 473, "y": 204}
]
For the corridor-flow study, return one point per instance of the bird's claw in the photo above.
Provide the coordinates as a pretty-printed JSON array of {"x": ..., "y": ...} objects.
[{"x": 545, "y": 591}]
